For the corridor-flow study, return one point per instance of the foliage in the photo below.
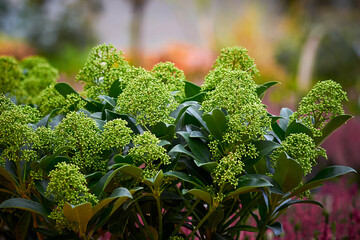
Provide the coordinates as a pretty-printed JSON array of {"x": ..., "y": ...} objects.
[{"x": 148, "y": 155}]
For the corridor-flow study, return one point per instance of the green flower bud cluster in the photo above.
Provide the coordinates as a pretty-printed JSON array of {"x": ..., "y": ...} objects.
[
  {"x": 116, "y": 134},
  {"x": 10, "y": 75},
  {"x": 301, "y": 148},
  {"x": 148, "y": 100},
  {"x": 103, "y": 67},
  {"x": 46, "y": 141},
  {"x": 231, "y": 166},
  {"x": 146, "y": 150},
  {"x": 321, "y": 104},
  {"x": 252, "y": 123},
  {"x": 67, "y": 185},
  {"x": 170, "y": 75},
  {"x": 15, "y": 133},
  {"x": 26, "y": 79},
  {"x": 234, "y": 91},
  {"x": 49, "y": 100},
  {"x": 81, "y": 133},
  {"x": 38, "y": 75},
  {"x": 232, "y": 58}
]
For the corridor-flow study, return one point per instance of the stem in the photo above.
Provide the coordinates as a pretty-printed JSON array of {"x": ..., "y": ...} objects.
[
  {"x": 144, "y": 220},
  {"x": 200, "y": 223},
  {"x": 184, "y": 218},
  {"x": 159, "y": 208}
]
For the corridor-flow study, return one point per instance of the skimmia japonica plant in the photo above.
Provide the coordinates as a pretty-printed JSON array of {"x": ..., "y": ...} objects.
[{"x": 145, "y": 154}]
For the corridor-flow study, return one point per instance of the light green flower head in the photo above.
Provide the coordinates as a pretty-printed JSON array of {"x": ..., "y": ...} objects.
[
  {"x": 236, "y": 58},
  {"x": 251, "y": 123},
  {"x": 38, "y": 75},
  {"x": 116, "y": 134},
  {"x": 67, "y": 185},
  {"x": 104, "y": 66},
  {"x": 49, "y": 100},
  {"x": 170, "y": 75},
  {"x": 10, "y": 74},
  {"x": 148, "y": 151},
  {"x": 235, "y": 90},
  {"x": 16, "y": 136},
  {"x": 231, "y": 166},
  {"x": 301, "y": 148},
  {"x": 148, "y": 100},
  {"x": 81, "y": 133},
  {"x": 321, "y": 104}
]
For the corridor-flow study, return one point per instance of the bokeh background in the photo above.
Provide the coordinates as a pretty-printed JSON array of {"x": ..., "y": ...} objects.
[{"x": 294, "y": 42}]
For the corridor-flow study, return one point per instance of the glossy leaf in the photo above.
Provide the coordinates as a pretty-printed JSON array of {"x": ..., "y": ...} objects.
[
  {"x": 285, "y": 113},
  {"x": 261, "y": 89},
  {"x": 263, "y": 147},
  {"x": 197, "y": 147},
  {"x": 247, "y": 184},
  {"x": 288, "y": 173},
  {"x": 8, "y": 176},
  {"x": 216, "y": 122},
  {"x": 198, "y": 97},
  {"x": 115, "y": 89},
  {"x": 65, "y": 89},
  {"x": 277, "y": 228},
  {"x": 180, "y": 149},
  {"x": 296, "y": 201},
  {"x": 205, "y": 196},
  {"x": 331, "y": 126},
  {"x": 25, "y": 204},
  {"x": 121, "y": 194},
  {"x": 324, "y": 175},
  {"x": 296, "y": 127},
  {"x": 45, "y": 121},
  {"x": 81, "y": 214},
  {"x": 191, "y": 89},
  {"x": 185, "y": 177},
  {"x": 164, "y": 131}
]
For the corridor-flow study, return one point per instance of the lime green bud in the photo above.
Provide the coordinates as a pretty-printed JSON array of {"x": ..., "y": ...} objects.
[
  {"x": 38, "y": 75},
  {"x": 148, "y": 100},
  {"x": 231, "y": 166},
  {"x": 104, "y": 66},
  {"x": 170, "y": 75},
  {"x": 146, "y": 150},
  {"x": 10, "y": 74},
  {"x": 236, "y": 58},
  {"x": 49, "y": 100},
  {"x": 67, "y": 185},
  {"x": 301, "y": 148},
  {"x": 321, "y": 104},
  {"x": 235, "y": 90},
  {"x": 16, "y": 136},
  {"x": 82, "y": 134},
  {"x": 251, "y": 123},
  {"x": 116, "y": 134}
]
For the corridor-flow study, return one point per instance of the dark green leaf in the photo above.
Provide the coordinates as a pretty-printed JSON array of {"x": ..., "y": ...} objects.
[
  {"x": 324, "y": 175},
  {"x": 198, "y": 97},
  {"x": 331, "y": 126},
  {"x": 216, "y": 122},
  {"x": 296, "y": 127},
  {"x": 248, "y": 184},
  {"x": 277, "y": 228},
  {"x": 115, "y": 89},
  {"x": 48, "y": 163},
  {"x": 288, "y": 173},
  {"x": 197, "y": 147},
  {"x": 109, "y": 100},
  {"x": 22, "y": 227},
  {"x": 285, "y": 113},
  {"x": 164, "y": 131},
  {"x": 263, "y": 147},
  {"x": 205, "y": 196},
  {"x": 180, "y": 149},
  {"x": 123, "y": 159},
  {"x": 260, "y": 90},
  {"x": 80, "y": 214},
  {"x": 25, "y": 204},
  {"x": 118, "y": 193},
  {"x": 186, "y": 178},
  {"x": 11, "y": 178},
  {"x": 191, "y": 89},
  {"x": 45, "y": 121},
  {"x": 65, "y": 89},
  {"x": 296, "y": 201}
]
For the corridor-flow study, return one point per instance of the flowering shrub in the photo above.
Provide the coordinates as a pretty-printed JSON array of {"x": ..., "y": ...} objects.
[{"x": 148, "y": 155}]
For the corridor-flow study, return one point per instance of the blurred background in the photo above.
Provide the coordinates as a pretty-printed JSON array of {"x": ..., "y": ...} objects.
[{"x": 296, "y": 43}]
